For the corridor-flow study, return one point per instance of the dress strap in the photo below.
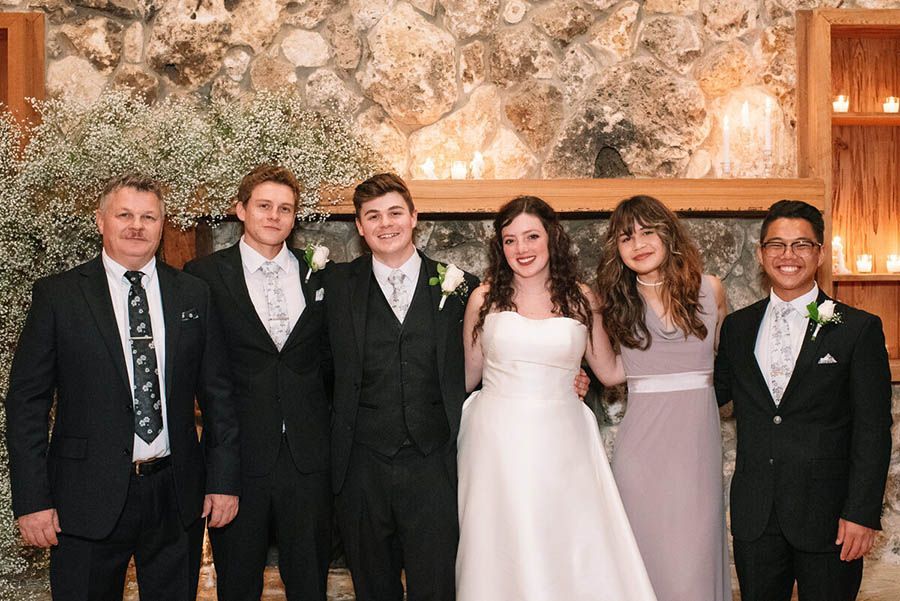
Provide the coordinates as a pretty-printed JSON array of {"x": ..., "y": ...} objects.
[{"x": 688, "y": 380}]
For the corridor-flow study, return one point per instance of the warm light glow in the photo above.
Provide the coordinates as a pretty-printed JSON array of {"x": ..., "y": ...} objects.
[
  {"x": 458, "y": 170},
  {"x": 428, "y": 168},
  {"x": 476, "y": 167},
  {"x": 891, "y": 104},
  {"x": 864, "y": 263},
  {"x": 841, "y": 104},
  {"x": 726, "y": 157},
  {"x": 745, "y": 115},
  {"x": 893, "y": 263}
]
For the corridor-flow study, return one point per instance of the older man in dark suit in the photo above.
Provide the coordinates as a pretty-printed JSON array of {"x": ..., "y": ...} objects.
[
  {"x": 810, "y": 382},
  {"x": 124, "y": 343}
]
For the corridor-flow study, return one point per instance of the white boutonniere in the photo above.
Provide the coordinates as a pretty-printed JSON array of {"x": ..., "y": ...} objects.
[
  {"x": 822, "y": 314},
  {"x": 452, "y": 280},
  {"x": 316, "y": 256}
]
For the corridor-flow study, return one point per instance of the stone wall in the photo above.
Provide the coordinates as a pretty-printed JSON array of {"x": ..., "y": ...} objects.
[{"x": 542, "y": 88}]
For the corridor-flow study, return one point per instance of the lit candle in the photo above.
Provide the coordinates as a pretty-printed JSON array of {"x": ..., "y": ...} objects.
[
  {"x": 458, "y": 170},
  {"x": 745, "y": 115},
  {"x": 891, "y": 104},
  {"x": 767, "y": 143},
  {"x": 726, "y": 161},
  {"x": 841, "y": 104},
  {"x": 864, "y": 263},
  {"x": 893, "y": 263},
  {"x": 476, "y": 167},
  {"x": 838, "y": 262},
  {"x": 428, "y": 168}
]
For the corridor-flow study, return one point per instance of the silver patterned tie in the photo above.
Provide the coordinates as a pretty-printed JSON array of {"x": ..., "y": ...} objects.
[
  {"x": 781, "y": 355},
  {"x": 147, "y": 398},
  {"x": 399, "y": 300},
  {"x": 276, "y": 304}
]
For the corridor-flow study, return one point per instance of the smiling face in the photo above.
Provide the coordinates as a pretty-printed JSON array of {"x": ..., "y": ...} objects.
[
  {"x": 643, "y": 251},
  {"x": 268, "y": 217},
  {"x": 131, "y": 223},
  {"x": 791, "y": 275},
  {"x": 386, "y": 224},
  {"x": 525, "y": 246}
]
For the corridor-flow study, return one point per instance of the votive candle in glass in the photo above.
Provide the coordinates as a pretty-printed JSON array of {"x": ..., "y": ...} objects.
[
  {"x": 891, "y": 104},
  {"x": 841, "y": 104},
  {"x": 893, "y": 263},
  {"x": 864, "y": 263}
]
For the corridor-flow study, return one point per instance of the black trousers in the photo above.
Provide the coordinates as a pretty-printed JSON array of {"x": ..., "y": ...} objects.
[
  {"x": 297, "y": 509},
  {"x": 768, "y": 566},
  {"x": 399, "y": 513},
  {"x": 149, "y": 529}
]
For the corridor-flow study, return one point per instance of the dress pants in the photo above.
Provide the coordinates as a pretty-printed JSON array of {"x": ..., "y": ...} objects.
[
  {"x": 399, "y": 513},
  {"x": 149, "y": 529},
  {"x": 298, "y": 507},
  {"x": 768, "y": 566}
]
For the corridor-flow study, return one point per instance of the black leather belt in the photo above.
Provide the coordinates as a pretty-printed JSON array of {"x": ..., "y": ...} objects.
[{"x": 145, "y": 468}]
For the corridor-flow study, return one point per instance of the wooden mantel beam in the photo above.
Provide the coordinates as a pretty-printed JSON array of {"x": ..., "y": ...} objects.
[{"x": 602, "y": 195}]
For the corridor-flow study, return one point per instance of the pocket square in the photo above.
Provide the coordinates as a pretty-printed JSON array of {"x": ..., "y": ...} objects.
[
  {"x": 189, "y": 315},
  {"x": 320, "y": 294},
  {"x": 827, "y": 360}
]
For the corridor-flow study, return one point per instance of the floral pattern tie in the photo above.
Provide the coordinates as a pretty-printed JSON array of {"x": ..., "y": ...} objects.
[
  {"x": 399, "y": 300},
  {"x": 276, "y": 304},
  {"x": 781, "y": 354},
  {"x": 147, "y": 395}
]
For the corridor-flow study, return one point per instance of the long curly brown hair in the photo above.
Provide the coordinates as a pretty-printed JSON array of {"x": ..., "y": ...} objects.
[
  {"x": 681, "y": 272},
  {"x": 565, "y": 293}
]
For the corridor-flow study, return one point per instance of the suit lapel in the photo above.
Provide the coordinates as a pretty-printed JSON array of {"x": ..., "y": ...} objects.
[
  {"x": 308, "y": 297},
  {"x": 232, "y": 271},
  {"x": 172, "y": 302},
  {"x": 96, "y": 290},
  {"x": 359, "y": 301},
  {"x": 441, "y": 317},
  {"x": 755, "y": 318},
  {"x": 807, "y": 353}
]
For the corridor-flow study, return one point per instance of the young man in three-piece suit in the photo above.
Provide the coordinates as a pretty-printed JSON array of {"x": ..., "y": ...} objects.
[
  {"x": 397, "y": 404},
  {"x": 124, "y": 343},
  {"x": 280, "y": 362},
  {"x": 812, "y": 401}
]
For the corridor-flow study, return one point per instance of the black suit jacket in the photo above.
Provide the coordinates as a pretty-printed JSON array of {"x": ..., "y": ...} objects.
[
  {"x": 347, "y": 287},
  {"x": 823, "y": 453},
  {"x": 271, "y": 386},
  {"x": 70, "y": 348}
]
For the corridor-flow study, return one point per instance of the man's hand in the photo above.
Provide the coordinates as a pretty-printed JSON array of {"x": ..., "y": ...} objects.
[
  {"x": 40, "y": 528},
  {"x": 582, "y": 383},
  {"x": 856, "y": 540},
  {"x": 221, "y": 509}
]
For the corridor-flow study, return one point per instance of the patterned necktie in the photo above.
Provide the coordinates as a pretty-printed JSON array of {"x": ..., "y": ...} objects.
[
  {"x": 276, "y": 305},
  {"x": 147, "y": 404},
  {"x": 399, "y": 300},
  {"x": 781, "y": 353}
]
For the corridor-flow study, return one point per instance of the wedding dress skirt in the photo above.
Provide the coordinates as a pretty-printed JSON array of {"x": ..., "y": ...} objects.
[{"x": 540, "y": 516}]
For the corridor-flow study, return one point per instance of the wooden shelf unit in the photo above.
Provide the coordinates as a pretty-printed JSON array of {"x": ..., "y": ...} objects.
[
  {"x": 21, "y": 61},
  {"x": 855, "y": 53}
]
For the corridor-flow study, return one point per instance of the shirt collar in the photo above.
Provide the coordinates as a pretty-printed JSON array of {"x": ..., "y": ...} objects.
[
  {"x": 410, "y": 268},
  {"x": 800, "y": 303},
  {"x": 117, "y": 271},
  {"x": 252, "y": 260}
]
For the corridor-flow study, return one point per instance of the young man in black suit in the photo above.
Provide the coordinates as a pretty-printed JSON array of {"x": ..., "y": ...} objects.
[
  {"x": 399, "y": 391},
  {"x": 812, "y": 400},
  {"x": 124, "y": 343},
  {"x": 277, "y": 345}
]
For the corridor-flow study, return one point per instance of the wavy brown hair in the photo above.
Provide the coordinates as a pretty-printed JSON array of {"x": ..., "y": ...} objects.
[
  {"x": 681, "y": 272},
  {"x": 566, "y": 295}
]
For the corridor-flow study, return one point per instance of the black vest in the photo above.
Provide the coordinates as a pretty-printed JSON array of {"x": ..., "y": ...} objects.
[{"x": 400, "y": 398}]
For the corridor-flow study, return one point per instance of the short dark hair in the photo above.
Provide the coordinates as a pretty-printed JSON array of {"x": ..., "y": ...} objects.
[
  {"x": 379, "y": 185},
  {"x": 136, "y": 181},
  {"x": 268, "y": 172},
  {"x": 794, "y": 209}
]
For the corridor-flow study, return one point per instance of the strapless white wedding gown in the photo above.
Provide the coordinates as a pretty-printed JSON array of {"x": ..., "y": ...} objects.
[{"x": 539, "y": 513}]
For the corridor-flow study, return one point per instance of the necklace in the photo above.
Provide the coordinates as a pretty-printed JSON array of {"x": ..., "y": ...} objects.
[{"x": 643, "y": 283}]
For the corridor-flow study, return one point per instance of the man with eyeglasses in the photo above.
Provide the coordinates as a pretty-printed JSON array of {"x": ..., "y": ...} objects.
[{"x": 810, "y": 382}]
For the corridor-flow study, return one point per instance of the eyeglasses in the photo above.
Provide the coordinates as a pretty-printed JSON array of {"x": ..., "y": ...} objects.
[{"x": 801, "y": 248}]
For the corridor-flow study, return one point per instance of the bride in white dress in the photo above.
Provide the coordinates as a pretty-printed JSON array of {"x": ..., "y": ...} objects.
[{"x": 539, "y": 513}]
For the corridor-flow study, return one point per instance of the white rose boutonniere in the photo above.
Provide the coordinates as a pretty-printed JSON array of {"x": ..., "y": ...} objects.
[
  {"x": 316, "y": 256},
  {"x": 451, "y": 279},
  {"x": 822, "y": 314}
]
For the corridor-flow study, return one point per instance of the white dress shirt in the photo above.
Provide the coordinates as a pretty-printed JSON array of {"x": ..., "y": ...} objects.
[
  {"x": 797, "y": 321},
  {"x": 288, "y": 277},
  {"x": 410, "y": 269},
  {"x": 118, "y": 292}
]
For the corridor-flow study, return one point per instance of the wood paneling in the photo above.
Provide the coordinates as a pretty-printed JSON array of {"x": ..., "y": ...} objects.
[
  {"x": 602, "y": 195},
  {"x": 880, "y": 298},
  {"x": 867, "y": 69},
  {"x": 866, "y": 119},
  {"x": 22, "y": 66}
]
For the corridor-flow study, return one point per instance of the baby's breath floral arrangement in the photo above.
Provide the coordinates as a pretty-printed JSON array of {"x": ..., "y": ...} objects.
[{"x": 49, "y": 188}]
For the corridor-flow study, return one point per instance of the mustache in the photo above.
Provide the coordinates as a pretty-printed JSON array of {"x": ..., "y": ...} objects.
[{"x": 133, "y": 235}]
